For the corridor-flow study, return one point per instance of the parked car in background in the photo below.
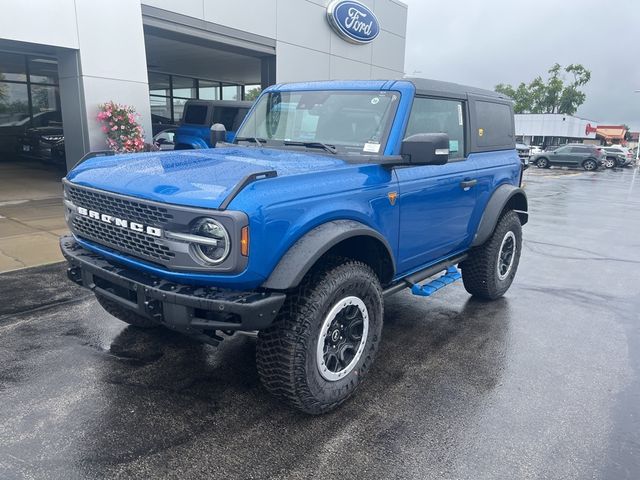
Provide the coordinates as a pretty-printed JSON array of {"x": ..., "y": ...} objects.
[
  {"x": 160, "y": 123},
  {"x": 535, "y": 149},
  {"x": 12, "y": 133},
  {"x": 41, "y": 143},
  {"x": 198, "y": 117},
  {"x": 524, "y": 152},
  {"x": 617, "y": 156},
  {"x": 589, "y": 157},
  {"x": 165, "y": 140}
]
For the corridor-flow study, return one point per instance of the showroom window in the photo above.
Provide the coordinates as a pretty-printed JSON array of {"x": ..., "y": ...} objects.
[
  {"x": 169, "y": 93},
  {"x": 29, "y": 93}
]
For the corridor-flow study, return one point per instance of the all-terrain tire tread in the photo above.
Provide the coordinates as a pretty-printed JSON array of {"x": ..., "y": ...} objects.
[
  {"x": 478, "y": 269},
  {"x": 280, "y": 356}
]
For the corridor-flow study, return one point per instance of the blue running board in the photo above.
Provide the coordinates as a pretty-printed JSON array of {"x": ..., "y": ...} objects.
[{"x": 452, "y": 274}]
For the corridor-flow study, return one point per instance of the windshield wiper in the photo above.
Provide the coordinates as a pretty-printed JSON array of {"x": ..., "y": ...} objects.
[
  {"x": 256, "y": 140},
  {"x": 324, "y": 146}
]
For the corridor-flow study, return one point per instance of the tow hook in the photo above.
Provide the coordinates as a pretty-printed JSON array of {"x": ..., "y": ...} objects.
[{"x": 153, "y": 308}]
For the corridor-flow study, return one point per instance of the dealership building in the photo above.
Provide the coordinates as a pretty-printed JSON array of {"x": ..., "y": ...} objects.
[
  {"x": 60, "y": 59},
  {"x": 551, "y": 129}
]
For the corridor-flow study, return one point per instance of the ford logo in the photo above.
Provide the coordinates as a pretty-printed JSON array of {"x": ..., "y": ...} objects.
[{"x": 353, "y": 21}]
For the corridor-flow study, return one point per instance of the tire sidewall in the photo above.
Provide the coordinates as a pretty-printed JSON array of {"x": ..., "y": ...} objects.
[
  {"x": 508, "y": 223},
  {"x": 584, "y": 165},
  {"x": 357, "y": 284},
  {"x": 542, "y": 162}
]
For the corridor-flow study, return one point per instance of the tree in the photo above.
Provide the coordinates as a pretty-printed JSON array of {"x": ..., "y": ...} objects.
[
  {"x": 252, "y": 93},
  {"x": 555, "y": 95}
]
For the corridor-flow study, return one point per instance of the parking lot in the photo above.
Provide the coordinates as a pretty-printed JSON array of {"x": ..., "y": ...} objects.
[{"x": 544, "y": 383}]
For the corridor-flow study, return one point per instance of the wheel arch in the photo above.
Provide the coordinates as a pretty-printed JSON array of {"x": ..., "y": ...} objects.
[
  {"x": 505, "y": 197},
  {"x": 347, "y": 238}
]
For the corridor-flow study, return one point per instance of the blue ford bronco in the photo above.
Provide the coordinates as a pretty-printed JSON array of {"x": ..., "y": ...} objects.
[
  {"x": 199, "y": 115},
  {"x": 333, "y": 196}
]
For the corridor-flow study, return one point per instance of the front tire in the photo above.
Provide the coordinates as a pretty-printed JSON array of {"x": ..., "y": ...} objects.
[
  {"x": 610, "y": 162},
  {"x": 325, "y": 337},
  {"x": 543, "y": 163},
  {"x": 491, "y": 267}
]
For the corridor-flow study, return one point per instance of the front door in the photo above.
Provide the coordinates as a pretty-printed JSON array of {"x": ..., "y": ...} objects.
[
  {"x": 561, "y": 156},
  {"x": 436, "y": 201}
]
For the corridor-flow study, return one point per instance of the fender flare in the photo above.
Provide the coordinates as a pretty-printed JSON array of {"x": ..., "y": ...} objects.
[
  {"x": 191, "y": 140},
  {"x": 306, "y": 251},
  {"x": 502, "y": 196}
]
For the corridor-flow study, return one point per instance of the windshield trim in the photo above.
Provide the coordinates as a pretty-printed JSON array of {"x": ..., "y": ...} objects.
[{"x": 341, "y": 149}]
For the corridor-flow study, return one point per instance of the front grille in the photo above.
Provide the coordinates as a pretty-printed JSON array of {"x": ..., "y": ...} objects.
[
  {"x": 122, "y": 239},
  {"x": 119, "y": 207}
]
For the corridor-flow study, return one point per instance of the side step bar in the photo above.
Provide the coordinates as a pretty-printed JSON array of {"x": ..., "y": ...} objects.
[
  {"x": 415, "y": 278},
  {"x": 433, "y": 286}
]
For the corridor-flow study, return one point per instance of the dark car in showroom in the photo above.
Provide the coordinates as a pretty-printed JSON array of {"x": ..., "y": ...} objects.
[
  {"x": 589, "y": 157},
  {"x": 46, "y": 142},
  {"x": 43, "y": 143}
]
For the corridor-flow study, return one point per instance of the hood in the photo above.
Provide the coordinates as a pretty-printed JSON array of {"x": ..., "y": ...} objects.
[
  {"x": 199, "y": 178},
  {"x": 45, "y": 131}
]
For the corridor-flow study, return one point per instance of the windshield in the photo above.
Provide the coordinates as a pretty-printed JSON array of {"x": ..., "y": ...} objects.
[{"x": 351, "y": 121}]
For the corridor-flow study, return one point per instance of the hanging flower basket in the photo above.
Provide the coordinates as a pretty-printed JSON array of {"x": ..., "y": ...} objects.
[{"x": 120, "y": 124}]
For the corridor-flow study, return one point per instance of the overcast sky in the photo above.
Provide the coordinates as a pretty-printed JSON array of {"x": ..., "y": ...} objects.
[{"x": 486, "y": 42}]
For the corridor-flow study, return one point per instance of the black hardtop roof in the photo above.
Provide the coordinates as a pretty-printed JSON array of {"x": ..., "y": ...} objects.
[{"x": 428, "y": 87}]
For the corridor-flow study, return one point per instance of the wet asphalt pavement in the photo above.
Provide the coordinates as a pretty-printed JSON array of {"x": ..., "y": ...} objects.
[{"x": 544, "y": 383}]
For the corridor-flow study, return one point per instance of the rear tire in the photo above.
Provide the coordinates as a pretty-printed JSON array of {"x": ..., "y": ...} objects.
[
  {"x": 491, "y": 267},
  {"x": 610, "y": 162},
  {"x": 125, "y": 315},
  {"x": 324, "y": 340}
]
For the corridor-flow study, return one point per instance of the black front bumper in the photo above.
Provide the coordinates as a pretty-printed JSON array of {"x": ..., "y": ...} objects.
[{"x": 189, "y": 309}]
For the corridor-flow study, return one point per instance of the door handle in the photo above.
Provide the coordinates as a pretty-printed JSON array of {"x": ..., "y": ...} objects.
[{"x": 467, "y": 184}]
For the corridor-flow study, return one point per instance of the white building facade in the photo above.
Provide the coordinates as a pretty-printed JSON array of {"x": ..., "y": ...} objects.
[
  {"x": 554, "y": 129},
  {"x": 69, "y": 56}
]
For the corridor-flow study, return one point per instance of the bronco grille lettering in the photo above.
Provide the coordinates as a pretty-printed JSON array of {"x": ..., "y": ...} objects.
[{"x": 120, "y": 222}]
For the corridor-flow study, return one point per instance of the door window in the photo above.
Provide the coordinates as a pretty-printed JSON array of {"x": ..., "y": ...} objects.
[{"x": 431, "y": 115}]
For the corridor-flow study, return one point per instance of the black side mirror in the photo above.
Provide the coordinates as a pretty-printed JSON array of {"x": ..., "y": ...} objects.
[
  {"x": 426, "y": 149},
  {"x": 218, "y": 134}
]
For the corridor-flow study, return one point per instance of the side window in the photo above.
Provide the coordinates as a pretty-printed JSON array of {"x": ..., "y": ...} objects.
[
  {"x": 562, "y": 150},
  {"x": 195, "y": 114},
  {"x": 431, "y": 115},
  {"x": 495, "y": 125},
  {"x": 580, "y": 150},
  {"x": 225, "y": 116}
]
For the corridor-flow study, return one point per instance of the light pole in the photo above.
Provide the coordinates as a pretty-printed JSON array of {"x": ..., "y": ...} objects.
[{"x": 637, "y": 146}]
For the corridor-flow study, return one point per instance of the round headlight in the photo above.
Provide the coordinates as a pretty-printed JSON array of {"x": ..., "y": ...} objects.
[{"x": 215, "y": 245}]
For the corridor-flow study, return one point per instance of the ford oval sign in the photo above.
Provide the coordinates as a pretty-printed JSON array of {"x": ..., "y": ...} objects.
[{"x": 353, "y": 21}]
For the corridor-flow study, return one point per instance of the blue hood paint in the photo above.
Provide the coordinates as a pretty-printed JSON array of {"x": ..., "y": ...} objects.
[{"x": 198, "y": 178}]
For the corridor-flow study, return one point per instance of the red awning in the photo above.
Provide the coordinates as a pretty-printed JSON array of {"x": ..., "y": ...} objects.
[{"x": 611, "y": 132}]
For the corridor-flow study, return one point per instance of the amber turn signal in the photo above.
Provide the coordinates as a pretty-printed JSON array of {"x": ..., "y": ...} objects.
[{"x": 244, "y": 241}]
